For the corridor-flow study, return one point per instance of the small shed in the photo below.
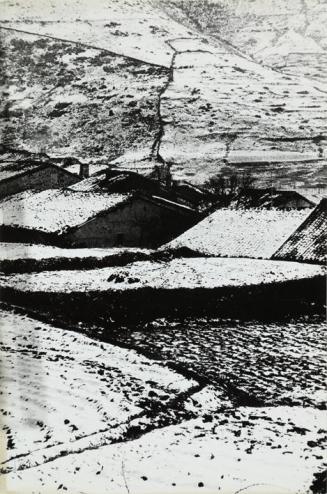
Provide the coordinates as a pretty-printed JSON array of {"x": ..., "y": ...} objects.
[
  {"x": 93, "y": 219},
  {"x": 309, "y": 242},
  {"x": 18, "y": 176}
]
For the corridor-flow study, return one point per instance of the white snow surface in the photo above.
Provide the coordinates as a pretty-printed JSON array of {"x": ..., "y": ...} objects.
[
  {"x": 55, "y": 210},
  {"x": 178, "y": 273},
  {"x": 266, "y": 456},
  {"x": 59, "y": 387},
  {"x": 255, "y": 233},
  {"x": 131, "y": 28}
]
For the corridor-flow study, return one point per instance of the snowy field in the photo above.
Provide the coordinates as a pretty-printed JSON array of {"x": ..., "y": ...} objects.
[
  {"x": 60, "y": 390},
  {"x": 195, "y": 456},
  {"x": 98, "y": 393},
  {"x": 274, "y": 363},
  {"x": 178, "y": 273}
]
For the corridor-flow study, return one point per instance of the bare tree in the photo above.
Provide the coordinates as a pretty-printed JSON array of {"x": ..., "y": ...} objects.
[{"x": 224, "y": 190}]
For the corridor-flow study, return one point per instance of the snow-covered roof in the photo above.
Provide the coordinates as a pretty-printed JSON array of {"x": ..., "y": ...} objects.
[
  {"x": 167, "y": 202},
  {"x": 54, "y": 211},
  {"x": 92, "y": 183},
  {"x": 255, "y": 233}
]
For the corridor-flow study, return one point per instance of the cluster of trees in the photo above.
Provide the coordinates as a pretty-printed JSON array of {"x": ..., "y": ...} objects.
[{"x": 222, "y": 191}]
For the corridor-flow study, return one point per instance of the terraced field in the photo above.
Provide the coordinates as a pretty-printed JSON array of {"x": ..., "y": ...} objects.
[
  {"x": 102, "y": 417},
  {"x": 272, "y": 364}
]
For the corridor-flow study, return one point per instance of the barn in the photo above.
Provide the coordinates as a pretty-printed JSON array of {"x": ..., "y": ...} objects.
[
  {"x": 125, "y": 182},
  {"x": 93, "y": 219},
  {"x": 253, "y": 233},
  {"x": 30, "y": 174},
  {"x": 309, "y": 242},
  {"x": 273, "y": 198}
]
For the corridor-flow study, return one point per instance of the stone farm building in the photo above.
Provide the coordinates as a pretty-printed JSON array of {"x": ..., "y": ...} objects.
[
  {"x": 253, "y": 233},
  {"x": 272, "y": 198},
  {"x": 113, "y": 180},
  {"x": 30, "y": 174},
  {"x": 309, "y": 242},
  {"x": 93, "y": 219}
]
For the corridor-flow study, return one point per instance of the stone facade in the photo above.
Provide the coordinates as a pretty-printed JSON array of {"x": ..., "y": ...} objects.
[
  {"x": 139, "y": 222},
  {"x": 45, "y": 176}
]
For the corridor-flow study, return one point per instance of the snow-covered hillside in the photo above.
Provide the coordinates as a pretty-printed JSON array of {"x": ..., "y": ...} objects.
[
  {"x": 223, "y": 112},
  {"x": 210, "y": 86},
  {"x": 70, "y": 100},
  {"x": 289, "y": 36}
]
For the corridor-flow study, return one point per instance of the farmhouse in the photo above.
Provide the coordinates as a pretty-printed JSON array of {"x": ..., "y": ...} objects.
[
  {"x": 309, "y": 242},
  {"x": 93, "y": 219},
  {"x": 254, "y": 233},
  {"x": 272, "y": 198},
  {"x": 30, "y": 174},
  {"x": 118, "y": 181}
]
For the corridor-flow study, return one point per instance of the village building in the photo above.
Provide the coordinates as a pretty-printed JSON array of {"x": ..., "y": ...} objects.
[
  {"x": 18, "y": 176},
  {"x": 117, "y": 181},
  {"x": 253, "y": 233},
  {"x": 309, "y": 242},
  {"x": 93, "y": 219},
  {"x": 273, "y": 198}
]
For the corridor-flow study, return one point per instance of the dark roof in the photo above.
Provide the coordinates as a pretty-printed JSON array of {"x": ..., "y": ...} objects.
[
  {"x": 8, "y": 154},
  {"x": 270, "y": 197},
  {"x": 309, "y": 242}
]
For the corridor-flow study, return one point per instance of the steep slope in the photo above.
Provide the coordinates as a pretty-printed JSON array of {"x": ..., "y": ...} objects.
[
  {"x": 290, "y": 36},
  {"x": 66, "y": 99},
  {"x": 135, "y": 28},
  {"x": 205, "y": 100},
  {"x": 222, "y": 112}
]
